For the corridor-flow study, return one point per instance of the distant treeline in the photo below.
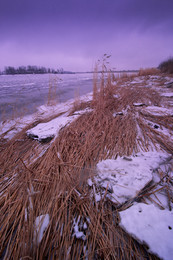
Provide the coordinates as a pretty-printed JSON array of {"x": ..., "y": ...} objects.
[{"x": 32, "y": 70}]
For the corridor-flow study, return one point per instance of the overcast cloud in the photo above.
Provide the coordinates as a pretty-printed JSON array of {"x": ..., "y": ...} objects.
[{"x": 73, "y": 34}]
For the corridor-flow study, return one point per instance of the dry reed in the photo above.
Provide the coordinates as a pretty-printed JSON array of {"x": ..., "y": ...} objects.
[
  {"x": 148, "y": 71},
  {"x": 51, "y": 179}
]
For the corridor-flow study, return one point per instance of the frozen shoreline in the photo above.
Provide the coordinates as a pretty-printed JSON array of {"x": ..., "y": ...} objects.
[
  {"x": 12, "y": 127},
  {"x": 22, "y": 94},
  {"x": 120, "y": 179}
]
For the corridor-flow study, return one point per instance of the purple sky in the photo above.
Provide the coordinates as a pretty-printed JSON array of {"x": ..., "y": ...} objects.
[{"x": 74, "y": 34}]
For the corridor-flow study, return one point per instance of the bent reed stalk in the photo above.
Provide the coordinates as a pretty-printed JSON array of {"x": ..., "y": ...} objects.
[{"x": 38, "y": 179}]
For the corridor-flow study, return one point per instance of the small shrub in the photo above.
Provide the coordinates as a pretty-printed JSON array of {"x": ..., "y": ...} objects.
[{"x": 166, "y": 66}]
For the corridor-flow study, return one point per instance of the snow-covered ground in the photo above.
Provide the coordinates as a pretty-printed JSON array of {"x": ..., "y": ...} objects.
[
  {"x": 49, "y": 130},
  {"x": 167, "y": 94},
  {"x": 44, "y": 131},
  {"x": 125, "y": 177}
]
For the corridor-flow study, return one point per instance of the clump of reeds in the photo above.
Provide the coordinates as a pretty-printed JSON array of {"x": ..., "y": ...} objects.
[
  {"x": 53, "y": 94},
  {"x": 148, "y": 71},
  {"x": 36, "y": 180},
  {"x": 52, "y": 186}
]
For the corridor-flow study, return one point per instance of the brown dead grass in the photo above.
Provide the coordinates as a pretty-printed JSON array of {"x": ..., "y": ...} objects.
[
  {"x": 96, "y": 136},
  {"x": 51, "y": 179},
  {"x": 148, "y": 71}
]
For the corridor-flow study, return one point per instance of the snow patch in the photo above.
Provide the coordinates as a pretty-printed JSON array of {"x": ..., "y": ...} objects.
[
  {"x": 139, "y": 104},
  {"x": 151, "y": 225},
  {"x": 41, "y": 224},
  {"x": 125, "y": 177},
  {"x": 43, "y": 131},
  {"x": 158, "y": 111},
  {"x": 78, "y": 234},
  {"x": 167, "y": 94},
  {"x": 81, "y": 112},
  {"x": 116, "y": 96}
]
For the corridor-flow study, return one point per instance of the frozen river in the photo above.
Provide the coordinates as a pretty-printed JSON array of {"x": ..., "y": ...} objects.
[{"x": 22, "y": 94}]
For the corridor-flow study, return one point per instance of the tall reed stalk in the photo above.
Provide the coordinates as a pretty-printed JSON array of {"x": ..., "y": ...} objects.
[{"x": 51, "y": 179}]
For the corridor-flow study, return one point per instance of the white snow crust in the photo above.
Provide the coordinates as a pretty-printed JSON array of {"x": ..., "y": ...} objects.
[
  {"x": 167, "y": 94},
  {"x": 138, "y": 104},
  {"x": 149, "y": 224},
  {"x": 12, "y": 127},
  {"x": 41, "y": 224},
  {"x": 49, "y": 129},
  {"x": 155, "y": 110},
  {"x": 126, "y": 176},
  {"x": 78, "y": 234}
]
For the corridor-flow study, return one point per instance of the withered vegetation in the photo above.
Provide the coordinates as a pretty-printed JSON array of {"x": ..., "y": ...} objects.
[
  {"x": 38, "y": 179},
  {"x": 148, "y": 71}
]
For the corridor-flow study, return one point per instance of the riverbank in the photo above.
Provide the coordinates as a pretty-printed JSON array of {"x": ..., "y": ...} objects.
[
  {"x": 75, "y": 177},
  {"x": 21, "y": 95}
]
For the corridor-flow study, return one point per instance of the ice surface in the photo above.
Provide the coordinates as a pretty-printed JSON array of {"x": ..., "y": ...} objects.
[
  {"x": 41, "y": 223},
  {"x": 149, "y": 224},
  {"x": 125, "y": 177}
]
